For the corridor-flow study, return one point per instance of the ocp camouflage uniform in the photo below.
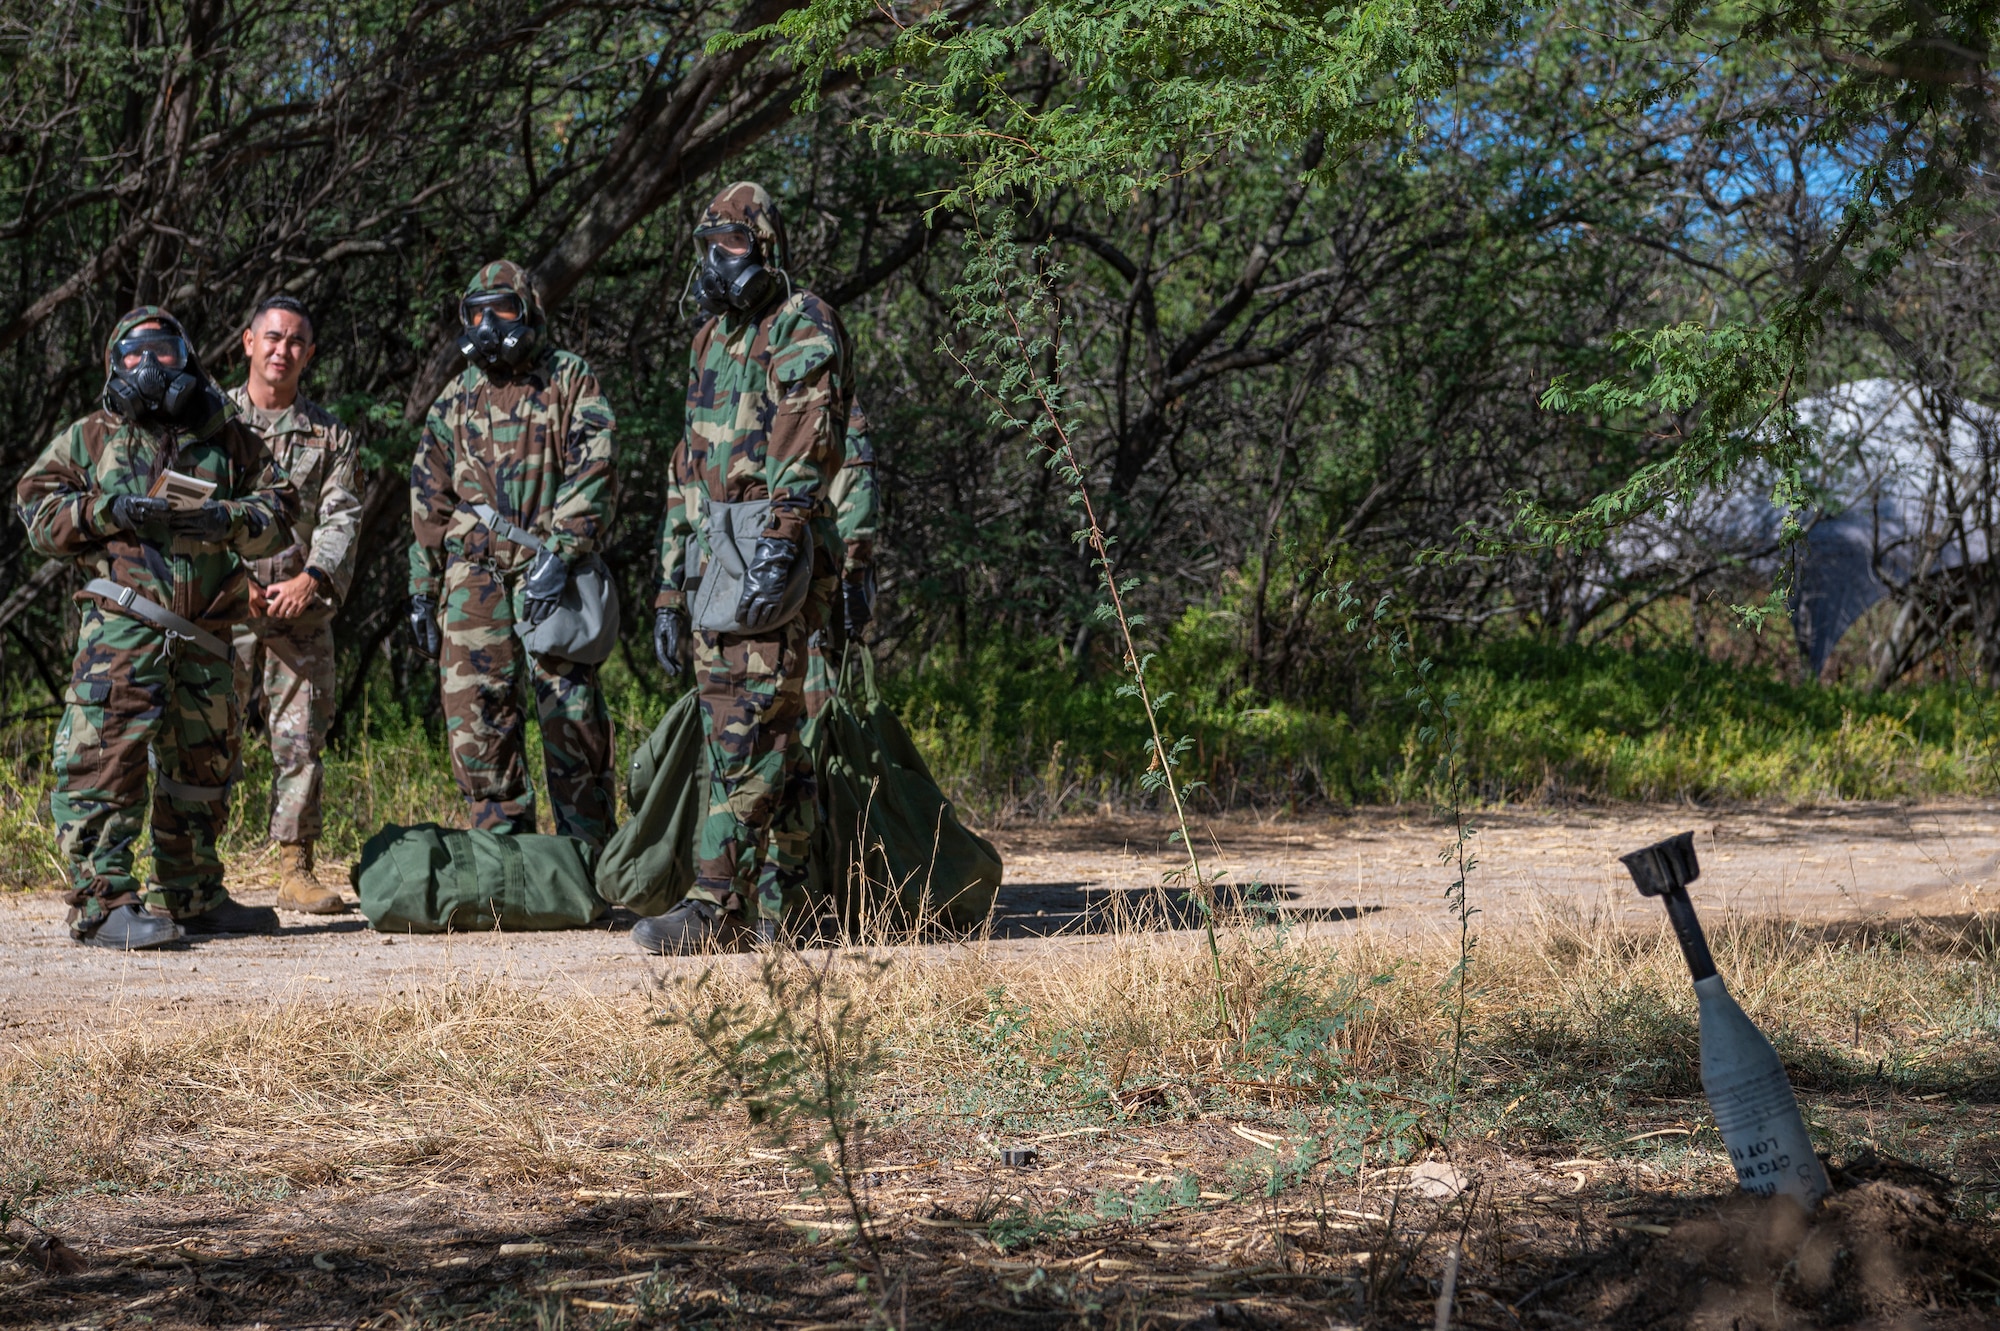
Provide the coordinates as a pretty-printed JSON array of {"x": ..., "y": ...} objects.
[
  {"x": 292, "y": 659},
  {"x": 538, "y": 447},
  {"x": 767, "y": 406},
  {"x": 857, "y": 509},
  {"x": 134, "y": 694}
]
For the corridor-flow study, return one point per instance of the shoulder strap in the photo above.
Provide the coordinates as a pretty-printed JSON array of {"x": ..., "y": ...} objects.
[{"x": 505, "y": 530}]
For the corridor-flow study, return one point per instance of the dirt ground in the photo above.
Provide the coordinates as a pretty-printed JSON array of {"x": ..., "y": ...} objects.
[
  {"x": 737, "y": 1237},
  {"x": 1371, "y": 870},
  {"x": 1541, "y": 1242}
]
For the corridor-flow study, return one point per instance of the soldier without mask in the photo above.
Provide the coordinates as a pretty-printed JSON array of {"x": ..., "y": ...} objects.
[{"x": 285, "y": 653}]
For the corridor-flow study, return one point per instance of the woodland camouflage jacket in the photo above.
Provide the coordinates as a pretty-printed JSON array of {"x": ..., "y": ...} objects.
[
  {"x": 537, "y": 445},
  {"x": 767, "y": 406},
  {"x": 65, "y": 500},
  {"x": 318, "y": 453}
]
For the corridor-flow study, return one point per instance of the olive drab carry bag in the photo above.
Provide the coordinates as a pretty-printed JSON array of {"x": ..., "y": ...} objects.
[
  {"x": 888, "y": 839},
  {"x": 429, "y": 879},
  {"x": 888, "y": 842},
  {"x": 648, "y": 864}
]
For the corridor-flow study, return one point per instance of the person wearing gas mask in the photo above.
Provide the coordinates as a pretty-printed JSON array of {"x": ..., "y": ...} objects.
[
  {"x": 517, "y": 453},
  {"x": 159, "y": 497},
  {"x": 769, "y": 391},
  {"x": 287, "y": 648}
]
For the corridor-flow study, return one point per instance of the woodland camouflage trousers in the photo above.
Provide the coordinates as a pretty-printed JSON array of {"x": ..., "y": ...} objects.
[
  {"x": 291, "y": 662},
  {"x": 129, "y": 694},
  {"x": 756, "y": 836},
  {"x": 479, "y": 670}
]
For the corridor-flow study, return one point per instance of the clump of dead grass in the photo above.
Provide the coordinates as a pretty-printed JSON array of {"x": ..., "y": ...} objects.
[{"x": 1580, "y": 1031}]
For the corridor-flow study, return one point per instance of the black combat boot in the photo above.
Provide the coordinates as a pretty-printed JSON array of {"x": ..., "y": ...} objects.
[
  {"x": 690, "y": 927},
  {"x": 129, "y": 928},
  {"x": 230, "y": 916}
]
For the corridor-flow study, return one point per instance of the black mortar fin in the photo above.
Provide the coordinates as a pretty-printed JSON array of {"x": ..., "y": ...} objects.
[{"x": 1665, "y": 867}]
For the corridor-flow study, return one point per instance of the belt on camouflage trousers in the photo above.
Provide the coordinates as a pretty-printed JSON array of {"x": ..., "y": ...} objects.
[
  {"x": 181, "y": 790},
  {"x": 129, "y": 600}
]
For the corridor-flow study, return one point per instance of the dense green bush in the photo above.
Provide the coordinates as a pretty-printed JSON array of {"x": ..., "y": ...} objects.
[{"x": 1017, "y": 730}]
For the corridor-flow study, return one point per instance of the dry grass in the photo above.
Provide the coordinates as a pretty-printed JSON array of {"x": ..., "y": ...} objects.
[
  {"x": 499, "y": 1157},
  {"x": 1581, "y": 1036}
]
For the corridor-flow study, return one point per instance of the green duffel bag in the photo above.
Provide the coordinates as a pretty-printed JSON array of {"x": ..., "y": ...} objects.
[
  {"x": 429, "y": 879},
  {"x": 648, "y": 864},
  {"x": 888, "y": 838}
]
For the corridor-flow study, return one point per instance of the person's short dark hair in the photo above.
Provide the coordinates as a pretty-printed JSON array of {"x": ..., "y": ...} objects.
[{"x": 290, "y": 305}]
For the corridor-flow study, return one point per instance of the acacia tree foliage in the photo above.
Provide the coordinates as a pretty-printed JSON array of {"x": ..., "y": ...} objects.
[
  {"x": 1297, "y": 365},
  {"x": 366, "y": 157},
  {"x": 1128, "y": 94},
  {"x": 1320, "y": 266}
]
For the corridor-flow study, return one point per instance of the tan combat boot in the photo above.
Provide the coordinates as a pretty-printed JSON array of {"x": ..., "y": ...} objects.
[{"x": 298, "y": 889}]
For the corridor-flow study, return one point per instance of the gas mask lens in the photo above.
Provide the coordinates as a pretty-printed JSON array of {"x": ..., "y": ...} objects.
[
  {"x": 167, "y": 350},
  {"x": 504, "y": 306},
  {"x": 729, "y": 242}
]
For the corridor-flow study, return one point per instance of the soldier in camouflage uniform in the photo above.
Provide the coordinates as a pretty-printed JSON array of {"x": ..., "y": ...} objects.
[
  {"x": 152, "y": 684},
  {"x": 526, "y": 432},
  {"x": 769, "y": 391},
  {"x": 287, "y": 651},
  {"x": 857, "y": 512}
]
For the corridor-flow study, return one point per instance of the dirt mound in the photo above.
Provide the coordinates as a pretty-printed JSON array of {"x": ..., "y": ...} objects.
[{"x": 1884, "y": 1251}]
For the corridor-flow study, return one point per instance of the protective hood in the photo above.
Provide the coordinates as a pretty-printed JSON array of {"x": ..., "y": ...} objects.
[{"x": 746, "y": 203}]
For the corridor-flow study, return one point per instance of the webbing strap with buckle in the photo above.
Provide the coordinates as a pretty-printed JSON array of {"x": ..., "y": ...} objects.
[
  {"x": 181, "y": 790},
  {"x": 504, "y": 529},
  {"x": 140, "y": 607}
]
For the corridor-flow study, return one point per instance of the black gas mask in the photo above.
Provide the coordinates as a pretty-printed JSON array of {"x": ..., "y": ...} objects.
[
  {"x": 154, "y": 378},
  {"x": 731, "y": 274},
  {"x": 496, "y": 333}
]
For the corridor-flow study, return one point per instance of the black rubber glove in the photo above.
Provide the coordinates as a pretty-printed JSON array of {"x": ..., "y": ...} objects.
[
  {"x": 857, "y": 604},
  {"x": 547, "y": 577},
  {"x": 670, "y": 641},
  {"x": 208, "y": 524},
  {"x": 424, "y": 626},
  {"x": 764, "y": 582},
  {"x": 131, "y": 512}
]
